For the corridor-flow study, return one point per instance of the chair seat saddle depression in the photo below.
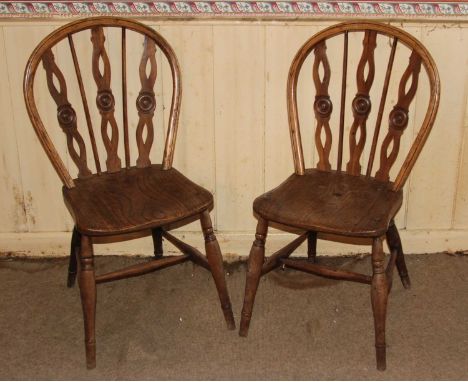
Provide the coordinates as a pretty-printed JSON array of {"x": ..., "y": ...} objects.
[
  {"x": 131, "y": 195},
  {"x": 341, "y": 198}
]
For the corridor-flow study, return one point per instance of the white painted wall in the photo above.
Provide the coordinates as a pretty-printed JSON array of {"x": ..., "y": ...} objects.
[{"x": 233, "y": 137}]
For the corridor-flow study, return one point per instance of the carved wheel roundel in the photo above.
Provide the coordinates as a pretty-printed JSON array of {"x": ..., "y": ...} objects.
[
  {"x": 323, "y": 106},
  {"x": 66, "y": 115},
  {"x": 145, "y": 102},
  {"x": 398, "y": 118},
  {"x": 361, "y": 104},
  {"x": 105, "y": 100}
]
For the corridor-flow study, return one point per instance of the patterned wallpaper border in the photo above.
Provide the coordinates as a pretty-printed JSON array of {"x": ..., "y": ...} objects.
[{"x": 231, "y": 8}]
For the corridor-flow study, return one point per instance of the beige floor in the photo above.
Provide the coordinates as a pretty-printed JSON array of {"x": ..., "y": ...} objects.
[{"x": 168, "y": 325}]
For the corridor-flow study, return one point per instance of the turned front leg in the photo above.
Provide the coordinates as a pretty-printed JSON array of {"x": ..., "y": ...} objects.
[
  {"x": 87, "y": 283},
  {"x": 215, "y": 260},
  {"x": 379, "y": 295},
  {"x": 254, "y": 271}
]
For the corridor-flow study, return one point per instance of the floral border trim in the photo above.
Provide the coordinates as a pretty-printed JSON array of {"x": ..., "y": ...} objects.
[{"x": 232, "y": 8}]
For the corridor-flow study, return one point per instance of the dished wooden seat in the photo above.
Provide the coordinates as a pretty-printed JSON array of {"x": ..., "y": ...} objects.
[
  {"x": 100, "y": 204},
  {"x": 331, "y": 202}
]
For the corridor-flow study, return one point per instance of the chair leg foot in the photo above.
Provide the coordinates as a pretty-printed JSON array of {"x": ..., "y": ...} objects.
[
  {"x": 215, "y": 260},
  {"x": 254, "y": 271},
  {"x": 87, "y": 283},
  {"x": 72, "y": 265},
  {"x": 381, "y": 358},
  {"x": 394, "y": 242},
  {"x": 379, "y": 296},
  {"x": 157, "y": 242}
]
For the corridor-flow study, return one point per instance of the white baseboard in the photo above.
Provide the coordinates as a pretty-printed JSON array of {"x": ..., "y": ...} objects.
[{"x": 233, "y": 245}]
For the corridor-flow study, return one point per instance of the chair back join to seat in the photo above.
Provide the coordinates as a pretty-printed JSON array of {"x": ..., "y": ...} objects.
[
  {"x": 74, "y": 127},
  {"x": 398, "y": 117}
]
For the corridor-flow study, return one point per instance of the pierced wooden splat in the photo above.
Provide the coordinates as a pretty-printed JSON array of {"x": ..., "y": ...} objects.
[
  {"x": 361, "y": 104},
  {"x": 105, "y": 99},
  {"x": 399, "y": 116},
  {"x": 146, "y": 103},
  {"x": 66, "y": 115},
  {"x": 322, "y": 106}
]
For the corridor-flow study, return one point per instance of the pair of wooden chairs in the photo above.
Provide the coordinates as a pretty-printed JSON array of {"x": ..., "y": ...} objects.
[{"x": 141, "y": 196}]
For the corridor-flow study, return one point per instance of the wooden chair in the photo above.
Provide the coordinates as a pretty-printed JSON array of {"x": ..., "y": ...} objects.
[
  {"x": 343, "y": 201},
  {"x": 123, "y": 198}
]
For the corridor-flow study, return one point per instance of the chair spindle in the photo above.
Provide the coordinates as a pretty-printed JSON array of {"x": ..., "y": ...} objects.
[
  {"x": 124, "y": 98},
  {"x": 85, "y": 104},
  {"x": 343, "y": 101},
  {"x": 383, "y": 100}
]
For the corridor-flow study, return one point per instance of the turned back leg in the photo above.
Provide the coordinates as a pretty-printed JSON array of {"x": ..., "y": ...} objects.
[
  {"x": 157, "y": 242},
  {"x": 72, "y": 265},
  {"x": 312, "y": 246},
  {"x": 254, "y": 270},
  {"x": 394, "y": 243}
]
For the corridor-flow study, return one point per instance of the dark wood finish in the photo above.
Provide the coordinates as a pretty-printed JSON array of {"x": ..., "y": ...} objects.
[
  {"x": 312, "y": 246},
  {"x": 73, "y": 261},
  {"x": 215, "y": 260},
  {"x": 331, "y": 202},
  {"x": 133, "y": 200},
  {"x": 87, "y": 282},
  {"x": 141, "y": 269},
  {"x": 121, "y": 203},
  {"x": 389, "y": 270},
  {"x": 394, "y": 243},
  {"x": 379, "y": 295},
  {"x": 343, "y": 100},
  {"x": 254, "y": 271},
  {"x": 124, "y": 98},
  {"x": 156, "y": 233},
  {"x": 346, "y": 204},
  {"x": 326, "y": 271}
]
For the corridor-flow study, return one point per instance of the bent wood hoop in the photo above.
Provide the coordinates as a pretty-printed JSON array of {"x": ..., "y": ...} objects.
[
  {"x": 361, "y": 103},
  {"x": 96, "y": 24}
]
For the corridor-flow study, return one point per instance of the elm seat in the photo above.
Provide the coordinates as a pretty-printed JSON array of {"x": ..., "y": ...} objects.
[
  {"x": 101, "y": 204},
  {"x": 331, "y": 202}
]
